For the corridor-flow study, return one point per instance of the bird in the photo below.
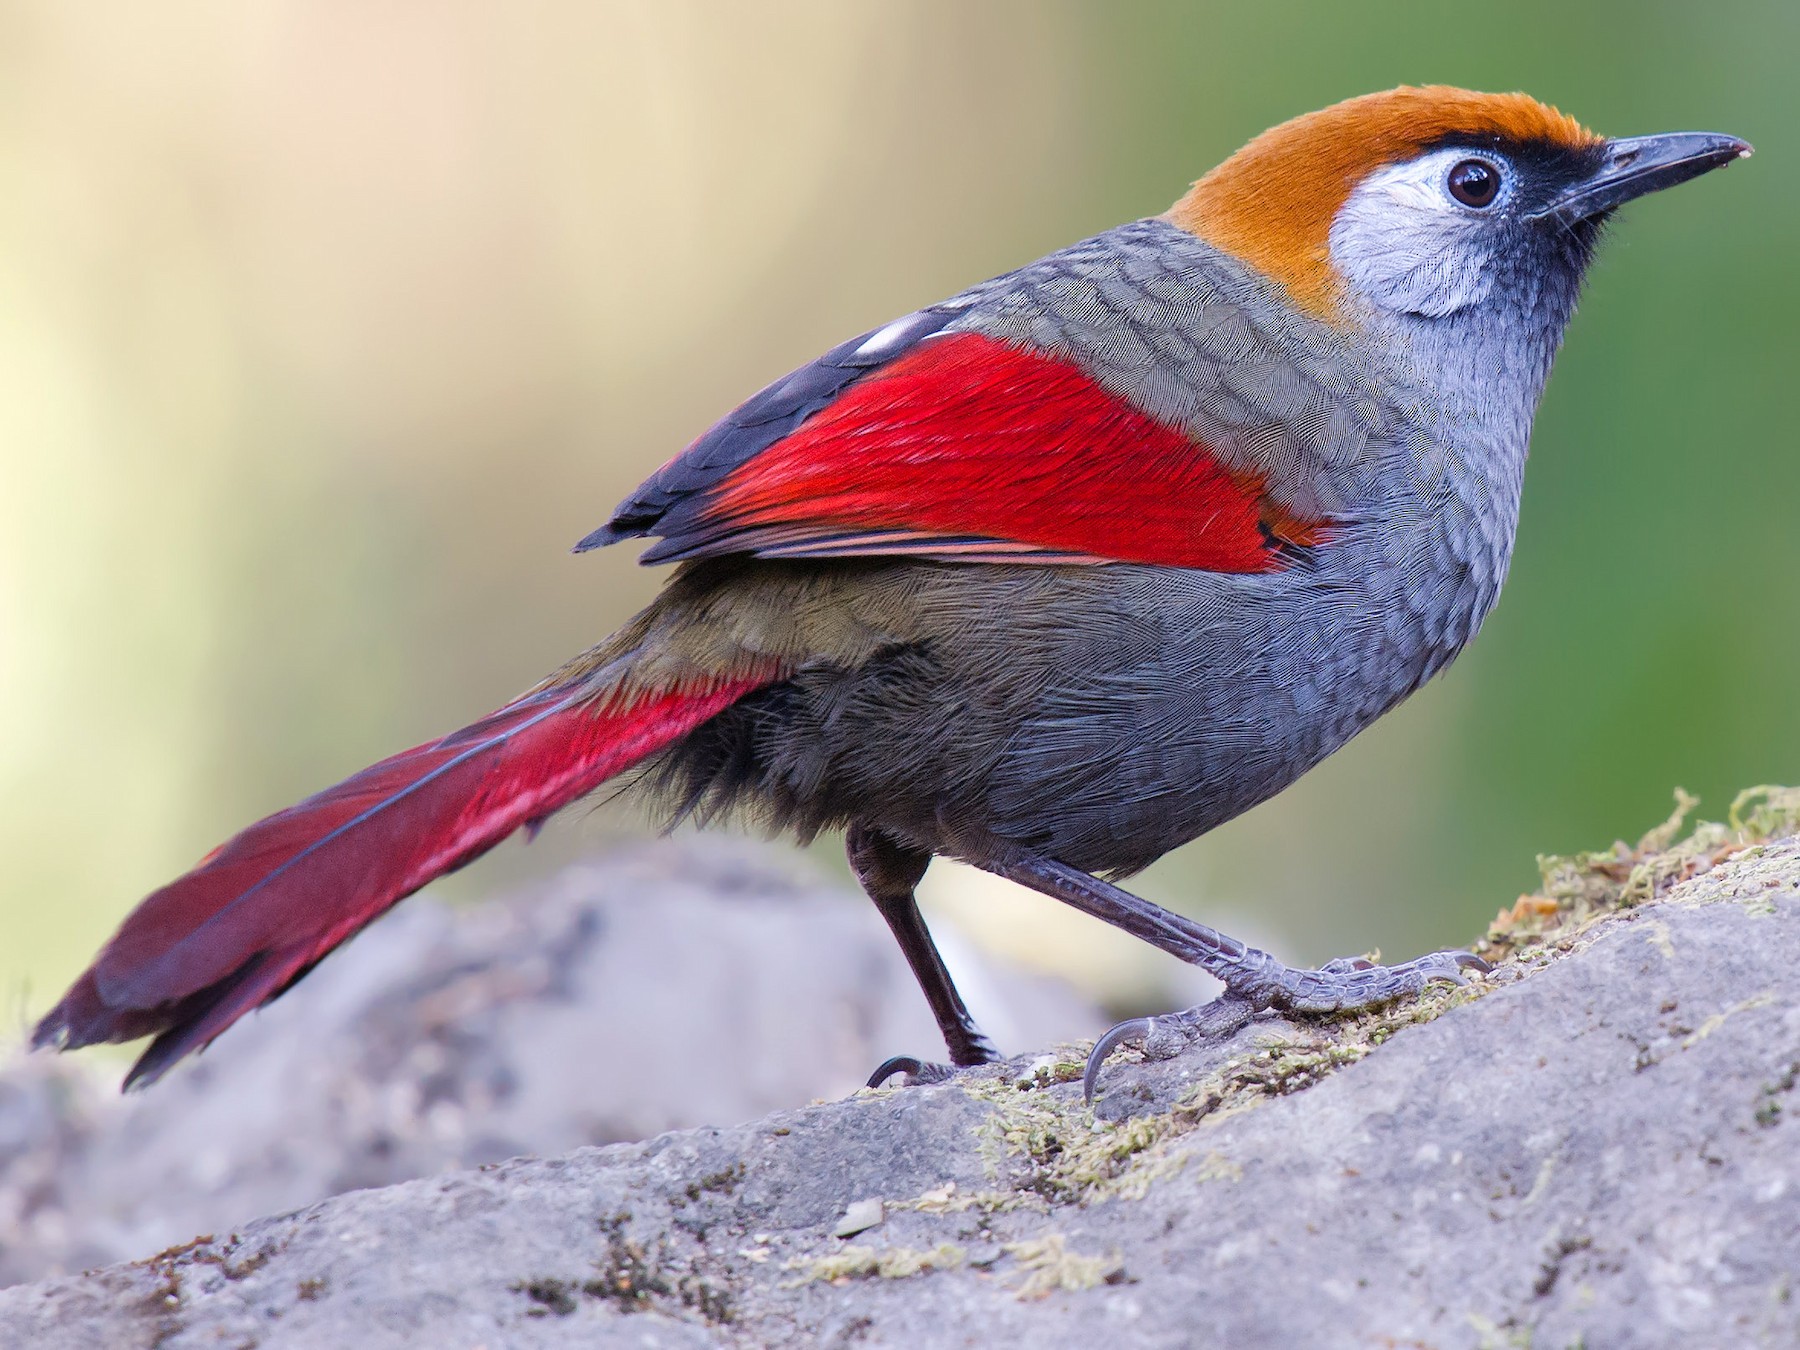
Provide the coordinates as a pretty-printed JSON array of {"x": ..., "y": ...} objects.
[{"x": 1050, "y": 577}]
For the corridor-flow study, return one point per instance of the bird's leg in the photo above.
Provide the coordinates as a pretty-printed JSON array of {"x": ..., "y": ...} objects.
[
  {"x": 1254, "y": 980},
  {"x": 889, "y": 871}
]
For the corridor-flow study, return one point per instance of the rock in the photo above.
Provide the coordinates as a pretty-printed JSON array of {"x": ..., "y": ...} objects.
[
  {"x": 669, "y": 986},
  {"x": 1596, "y": 1146}
]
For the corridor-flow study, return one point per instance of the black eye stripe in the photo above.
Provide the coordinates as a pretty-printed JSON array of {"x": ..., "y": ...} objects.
[{"x": 1474, "y": 182}]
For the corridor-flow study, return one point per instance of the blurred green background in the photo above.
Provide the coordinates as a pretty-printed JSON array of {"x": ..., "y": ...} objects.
[{"x": 326, "y": 327}]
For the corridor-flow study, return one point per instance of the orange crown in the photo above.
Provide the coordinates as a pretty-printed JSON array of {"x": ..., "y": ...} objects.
[{"x": 1272, "y": 203}]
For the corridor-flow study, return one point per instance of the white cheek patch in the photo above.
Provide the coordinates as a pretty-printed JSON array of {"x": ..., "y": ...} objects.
[{"x": 1402, "y": 243}]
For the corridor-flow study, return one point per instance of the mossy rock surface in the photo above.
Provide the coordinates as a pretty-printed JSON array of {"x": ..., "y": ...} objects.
[{"x": 1594, "y": 1146}]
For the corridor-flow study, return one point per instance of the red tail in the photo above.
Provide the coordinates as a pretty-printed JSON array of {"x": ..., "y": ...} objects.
[{"x": 261, "y": 910}]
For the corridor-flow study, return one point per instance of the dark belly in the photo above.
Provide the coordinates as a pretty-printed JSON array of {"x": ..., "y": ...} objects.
[{"x": 1101, "y": 716}]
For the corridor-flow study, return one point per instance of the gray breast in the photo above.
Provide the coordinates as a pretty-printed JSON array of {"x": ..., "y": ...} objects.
[{"x": 1254, "y": 679}]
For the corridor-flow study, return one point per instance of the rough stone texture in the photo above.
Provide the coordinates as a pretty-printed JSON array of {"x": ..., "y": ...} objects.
[
  {"x": 668, "y": 986},
  {"x": 1596, "y": 1147}
]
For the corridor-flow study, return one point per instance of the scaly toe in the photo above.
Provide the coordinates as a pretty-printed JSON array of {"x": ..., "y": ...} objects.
[
  {"x": 1345, "y": 964},
  {"x": 1344, "y": 986},
  {"x": 1453, "y": 966}
]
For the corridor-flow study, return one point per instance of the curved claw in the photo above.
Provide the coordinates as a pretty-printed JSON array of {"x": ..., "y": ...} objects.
[
  {"x": 918, "y": 1071},
  {"x": 1134, "y": 1028},
  {"x": 907, "y": 1064}
]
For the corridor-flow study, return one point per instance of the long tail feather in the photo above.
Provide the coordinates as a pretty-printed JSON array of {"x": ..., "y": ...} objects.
[{"x": 261, "y": 910}]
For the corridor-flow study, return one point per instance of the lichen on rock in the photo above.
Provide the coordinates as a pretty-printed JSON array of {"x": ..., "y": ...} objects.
[{"x": 1594, "y": 1144}]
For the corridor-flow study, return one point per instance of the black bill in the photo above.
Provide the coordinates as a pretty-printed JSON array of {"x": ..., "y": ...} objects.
[{"x": 1639, "y": 164}]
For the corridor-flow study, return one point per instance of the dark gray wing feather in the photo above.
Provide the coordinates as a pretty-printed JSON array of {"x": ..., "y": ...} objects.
[{"x": 764, "y": 419}]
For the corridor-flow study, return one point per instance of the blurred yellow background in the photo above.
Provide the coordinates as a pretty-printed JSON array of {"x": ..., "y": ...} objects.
[{"x": 326, "y": 327}]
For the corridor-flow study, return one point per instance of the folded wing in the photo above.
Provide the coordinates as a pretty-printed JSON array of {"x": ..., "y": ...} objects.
[{"x": 957, "y": 446}]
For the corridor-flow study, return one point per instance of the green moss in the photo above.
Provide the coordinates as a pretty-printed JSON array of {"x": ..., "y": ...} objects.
[
  {"x": 1768, "y": 1103},
  {"x": 722, "y": 1181},
  {"x": 1048, "y": 1265},
  {"x": 551, "y": 1296},
  {"x": 628, "y": 1274},
  {"x": 1495, "y": 1336},
  {"x": 1765, "y": 812},
  {"x": 1580, "y": 890},
  {"x": 884, "y": 1263},
  {"x": 950, "y": 1199},
  {"x": 632, "y": 1277},
  {"x": 1047, "y": 1148}
]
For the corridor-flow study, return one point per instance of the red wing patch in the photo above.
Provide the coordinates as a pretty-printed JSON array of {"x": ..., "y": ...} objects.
[{"x": 972, "y": 449}]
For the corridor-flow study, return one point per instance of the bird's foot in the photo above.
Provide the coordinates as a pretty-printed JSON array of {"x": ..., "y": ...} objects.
[
  {"x": 969, "y": 1049},
  {"x": 1351, "y": 984},
  {"x": 1168, "y": 1034},
  {"x": 1348, "y": 984}
]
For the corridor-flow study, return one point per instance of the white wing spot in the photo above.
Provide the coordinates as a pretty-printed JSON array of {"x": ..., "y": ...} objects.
[{"x": 892, "y": 335}]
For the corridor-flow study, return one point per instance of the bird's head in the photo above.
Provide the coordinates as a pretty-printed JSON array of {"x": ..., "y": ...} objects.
[{"x": 1430, "y": 202}]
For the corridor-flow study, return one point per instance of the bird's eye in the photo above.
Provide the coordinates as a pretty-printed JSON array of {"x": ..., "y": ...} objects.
[{"x": 1474, "y": 182}]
